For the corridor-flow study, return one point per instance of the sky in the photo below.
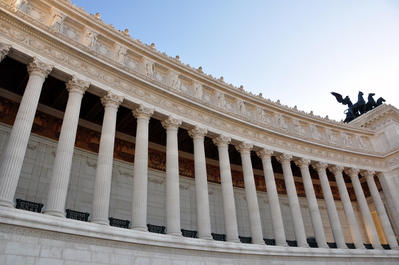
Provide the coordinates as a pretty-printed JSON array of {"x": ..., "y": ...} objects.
[{"x": 295, "y": 51}]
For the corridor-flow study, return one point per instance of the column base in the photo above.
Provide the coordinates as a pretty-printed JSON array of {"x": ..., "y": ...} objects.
[
  {"x": 259, "y": 243},
  {"x": 206, "y": 237},
  {"x": 174, "y": 234},
  {"x": 55, "y": 213},
  {"x": 342, "y": 247},
  {"x": 360, "y": 247},
  {"x": 304, "y": 246},
  {"x": 6, "y": 203},
  {"x": 139, "y": 228},
  {"x": 234, "y": 240},
  {"x": 100, "y": 221}
]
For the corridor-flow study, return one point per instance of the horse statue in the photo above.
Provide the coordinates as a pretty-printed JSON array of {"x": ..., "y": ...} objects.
[
  {"x": 380, "y": 101},
  {"x": 345, "y": 101},
  {"x": 357, "y": 109},
  {"x": 370, "y": 103}
]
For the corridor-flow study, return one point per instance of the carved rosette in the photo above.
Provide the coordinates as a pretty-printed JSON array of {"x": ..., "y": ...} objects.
[
  {"x": 336, "y": 169},
  {"x": 197, "y": 132},
  {"x": 111, "y": 99},
  {"x": 353, "y": 172},
  {"x": 143, "y": 112},
  {"x": 78, "y": 85},
  {"x": 222, "y": 140},
  {"x": 284, "y": 158},
  {"x": 265, "y": 153},
  {"x": 40, "y": 68},
  {"x": 244, "y": 148},
  {"x": 4, "y": 49},
  {"x": 172, "y": 123},
  {"x": 320, "y": 166},
  {"x": 302, "y": 163}
]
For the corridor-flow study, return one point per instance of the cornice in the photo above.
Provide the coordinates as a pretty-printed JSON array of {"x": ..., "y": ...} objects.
[{"x": 138, "y": 88}]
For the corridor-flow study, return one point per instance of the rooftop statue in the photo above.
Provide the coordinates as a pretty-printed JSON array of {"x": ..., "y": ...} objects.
[{"x": 360, "y": 107}]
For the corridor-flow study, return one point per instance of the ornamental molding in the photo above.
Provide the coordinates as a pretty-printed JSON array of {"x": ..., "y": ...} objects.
[{"x": 258, "y": 120}]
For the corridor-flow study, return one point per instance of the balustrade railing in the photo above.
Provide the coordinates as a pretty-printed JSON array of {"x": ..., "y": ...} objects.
[
  {"x": 156, "y": 229},
  {"x": 29, "y": 206},
  {"x": 189, "y": 233},
  {"x": 81, "y": 216},
  {"x": 119, "y": 223}
]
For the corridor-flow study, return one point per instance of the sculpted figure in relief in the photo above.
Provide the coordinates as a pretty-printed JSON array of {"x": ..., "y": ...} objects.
[
  {"x": 315, "y": 132},
  {"x": 241, "y": 107},
  {"x": 90, "y": 39},
  {"x": 361, "y": 142},
  {"x": 148, "y": 68},
  {"x": 198, "y": 90},
  {"x": 174, "y": 80},
  {"x": 298, "y": 127},
  {"x": 282, "y": 124},
  {"x": 18, "y": 3},
  {"x": 331, "y": 136},
  {"x": 222, "y": 100},
  {"x": 57, "y": 21},
  {"x": 263, "y": 116},
  {"x": 346, "y": 140},
  {"x": 121, "y": 53}
]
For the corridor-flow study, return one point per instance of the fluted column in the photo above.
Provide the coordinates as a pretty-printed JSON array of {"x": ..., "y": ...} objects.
[
  {"x": 330, "y": 204},
  {"x": 14, "y": 152},
  {"x": 172, "y": 176},
  {"x": 364, "y": 209},
  {"x": 272, "y": 195},
  {"x": 63, "y": 158},
  {"x": 229, "y": 207},
  {"x": 250, "y": 193},
  {"x": 314, "y": 211},
  {"x": 348, "y": 208},
  {"x": 102, "y": 185},
  {"x": 140, "y": 171},
  {"x": 382, "y": 214},
  {"x": 390, "y": 188},
  {"x": 295, "y": 208},
  {"x": 4, "y": 49},
  {"x": 201, "y": 183}
]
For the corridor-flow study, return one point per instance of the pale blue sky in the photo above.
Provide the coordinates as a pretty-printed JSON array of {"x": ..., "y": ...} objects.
[{"x": 296, "y": 51}]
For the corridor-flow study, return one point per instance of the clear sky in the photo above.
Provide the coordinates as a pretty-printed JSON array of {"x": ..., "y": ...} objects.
[{"x": 297, "y": 51}]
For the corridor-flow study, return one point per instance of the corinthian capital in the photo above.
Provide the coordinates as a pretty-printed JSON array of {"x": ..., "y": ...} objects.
[
  {"x": 265, "y": 153},
  {"x": 143, "y": 112},
  {"x": 39, "y": 67},
  {"x": 369, "y": 174},
  {"x": 172, "y": 123},
  {"x": 336, "y": 169},
  {"x": 303, "y": 162},
  {"x": 320, "y": 166},
  {"x": 77, "y": 84},
  {"x": 197, "y": 132},
  {"x": 244, "y": 148},
  {"x": 222, "y": 140},
  {"x": 353, "y": 172},
  {"x": 4, "y": 49},
  {"x": 284, "y": 158},
  {"x": 111, "y": 99}
]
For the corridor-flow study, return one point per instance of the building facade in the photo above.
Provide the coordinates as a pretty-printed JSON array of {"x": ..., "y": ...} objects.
[{"x": 115, "y": 153}]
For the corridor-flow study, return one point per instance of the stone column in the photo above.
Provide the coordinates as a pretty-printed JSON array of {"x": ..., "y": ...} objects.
[
  {"x": 14, "y": 151},
  {"x": 295, "y": 207},
  {"x": 229, "y": 208},
  {"x": 172, "y": 176},
  {"x": 4, "y": 49},
  {"x": 57, "y": 195},
  {"x": 382, "y": 214},
  {"x": 102, "y": 185},
  {"x": 140, "y": 171},
  {"x": 330, "y": 204},
  {"x": 390, "y": 188},
  {"x": 314, "y": 211},
  {"x": 201, "y": 183},
  {"x": 272, "y": 195},
  {"x": 364, "y": 209},
  {"x": 348, "y": 208},
  {"x": 250, "y": 193}
]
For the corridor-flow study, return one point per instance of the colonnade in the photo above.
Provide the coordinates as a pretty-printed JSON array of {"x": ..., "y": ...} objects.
[{"x": 14, "y": 152}]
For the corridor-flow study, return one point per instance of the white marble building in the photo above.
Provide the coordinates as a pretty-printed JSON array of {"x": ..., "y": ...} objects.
[{"x": 114, "y": 153}]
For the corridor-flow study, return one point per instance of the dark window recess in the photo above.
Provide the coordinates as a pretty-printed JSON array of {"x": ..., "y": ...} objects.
[
  {"x": 119, "y": 223},
  {"x": 292, "y": 243},
  {"x": 71, "y": 214},
  {"x": 189, "y": 233},
  {"x": 312, "y": 242},
  {"x": 29, "y": 206},
  {"x": 386, "y": 246},
  {"x": 270, "y": 242},
  {"x": 332, "y": 244},
  {"x": 245, "y": 239},
  {"x": 156, "y": 229},
  {"x": 368, "y": 246},
  {"x": 351, "y": 245},
  {"x": 218, "y": 237}
]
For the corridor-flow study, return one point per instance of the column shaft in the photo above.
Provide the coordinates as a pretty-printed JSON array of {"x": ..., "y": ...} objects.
[
  {"x": 330, "y": 204},
  {"x": 201, "y": 183},
  {"x": 272, "y": 195},
  {"x": 172, "y": 177},
  {"x": 364, "y": 209},
  {"x": 229, "y": 208},
  {"x": 102, "y": 185},
  {"x": 14, "y": 152},
  {"x": 348, "y": 208},
  {"x": 295, "y": 207},
  {"x": 63, "y": 159},
  {"x": 382, "y": 214},
  {"x": 251, "y": 194},
  {"x": 313, "y": 206},
  {"x": 140, "y": 171}
]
